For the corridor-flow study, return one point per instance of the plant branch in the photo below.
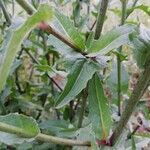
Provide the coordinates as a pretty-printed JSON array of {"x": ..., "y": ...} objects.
[
  {"x": 61, "y": 141},
  {"x": 41, "y": 137},
  {"x": 37, "y": 62},
  {"x": 139, "y": 90},
  {"x": 5, "y": 12},
  {"x": 101, "y": 18},
  {"x": 132, "y": 8},
  {"x": 62, "y": 38},
  {"x": 30, "y": 10},
  {"x": 134, "y": 3}
]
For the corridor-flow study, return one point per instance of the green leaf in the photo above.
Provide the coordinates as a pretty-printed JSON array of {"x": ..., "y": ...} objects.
[
  {"x": 111, "y": 40},
  {"x": 99, "y": 110},
  {"x": 25, "y": 126},
  {"x": 141, "y": 47},
  {"x": 73, "y": 34},
  {"x": 81, "y": 72},
  {"x": 45, "y": 68},
  {"x": 54, "y": 126},
  {"x": 144, "y": 8},
  {"x": 112, "y": 80},
  {"x": 15, "y": 37},
  {"x": 63, "y": 49}
]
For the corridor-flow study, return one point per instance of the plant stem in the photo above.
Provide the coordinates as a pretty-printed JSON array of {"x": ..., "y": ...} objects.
[
  {"x": 83, "y": 106},
  {"x": 101, "y": 18},
  {"x": 139, "y": 90},
  {"x": 37, "y": 62},
  {"x": 123, "y": 18},
  {"x": 119, "y": 83},
  {"x": 62, "y": 38},
  {"x": 41, "y": 137},
  {"x": 5, "y": 12},
  {"x": 26, "y": 6},
  {"x": 61, "y": 141},
  {"x": 134, "y": 3},
  {"x": 30, "y": 10}
]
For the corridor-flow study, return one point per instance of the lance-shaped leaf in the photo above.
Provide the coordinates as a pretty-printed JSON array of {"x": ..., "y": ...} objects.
[
  {"x": 111, "y": 40},
  {"x": 15, "y": 37},
  {"x": 73, "y": 34},
  {"x": 17, "y": 128},
  {"x": 144, "y": 8},
  {"x": 81, "y": 72},
  {"x": 99, "y": 110},
  {"x": 141, "y": 46}
]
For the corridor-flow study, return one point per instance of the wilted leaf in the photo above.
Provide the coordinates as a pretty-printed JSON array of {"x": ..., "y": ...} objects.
[{"x": 100, "y": 114}]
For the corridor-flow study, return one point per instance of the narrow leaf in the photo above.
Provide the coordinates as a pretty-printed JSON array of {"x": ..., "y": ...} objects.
[
  {"x": 73, "y": 34},
  {"x": 141, "y": 46},
  {"x": 80, "y": 74},
  {"x": 99, "y": 114},
  {"x": 15, "y": 37},
  {"x": 144, "y": 8},
  {"x": 63, "y": 49},
  {"x": 111, "y": 40}
]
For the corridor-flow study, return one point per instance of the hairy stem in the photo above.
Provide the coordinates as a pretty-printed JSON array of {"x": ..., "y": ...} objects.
[
  {"x": 139, "y": 90},
  {"x": 5, "y": 12},
  {"x": 101, "y": 18},
  {"x": 41, "y": 137}
]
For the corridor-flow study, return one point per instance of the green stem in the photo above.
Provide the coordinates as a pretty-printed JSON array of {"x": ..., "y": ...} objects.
[
  {"x": 30, "y": 10},
  {"x": 61, "y": 141},
  {"x": 101, "y": 18},
  {"x": 132, "y": 8},
  {"x": 13, "y": 130},
  {"x": 37, "y": 62},
  {"x": 41, "y": 137},
  {"x": 134, "y": 3},
  {"x": 123, "y": 18},
  {"x": 139, "y": 90},
  {"x": 119, "y": 83},
  {"x": 5, "y": 12},
  {"x": 83, "y": 106},
  {"x": 26, "y": 6}
]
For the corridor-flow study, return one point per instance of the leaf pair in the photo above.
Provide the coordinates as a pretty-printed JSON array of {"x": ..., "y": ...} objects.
[{"x": 81, "y": 72}]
